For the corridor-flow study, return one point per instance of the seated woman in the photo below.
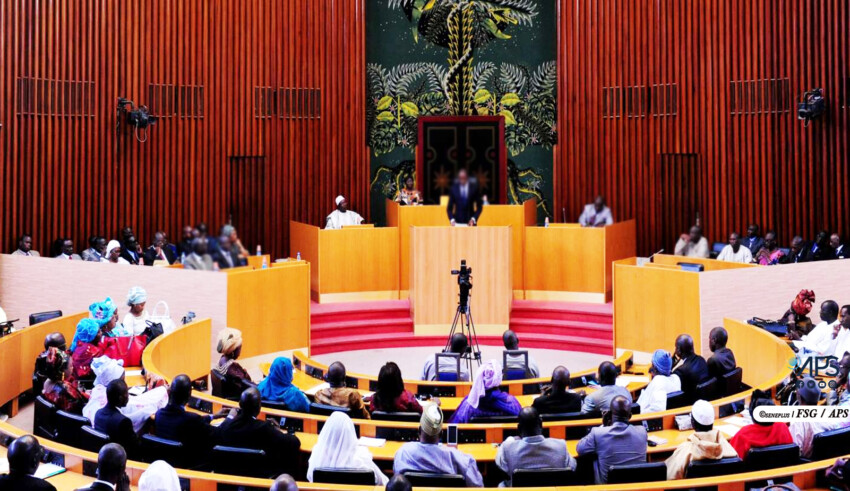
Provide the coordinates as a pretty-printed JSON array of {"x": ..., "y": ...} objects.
[
  {"x": 61, "y": 393},
  {"x": 113, "y": 253},
  {"x": 391, "y": 396},
  {"x": 757, "y": 435},
  {"x": 84, "y": 348},
  {"x": 337, "y": 448},
  {"x": 277, "y": 387},
  {"x": 485, "y": 398},
  {"x": 408, "y": 194},
  {"x": 230, "y": 346},
  {"x": 135, "y": 322},
  {"x": 139, "y": 408},
  {"x": 770, "y": 254},
  {"x": 106, "y": 315}
]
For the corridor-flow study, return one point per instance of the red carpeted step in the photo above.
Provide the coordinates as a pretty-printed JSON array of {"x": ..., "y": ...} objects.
[
  {"x": 356, "y": 311},
  {"x": 343, "y": 328},
  {"x": 595, "y": 330},
  {"x": 565, "y": 311}
]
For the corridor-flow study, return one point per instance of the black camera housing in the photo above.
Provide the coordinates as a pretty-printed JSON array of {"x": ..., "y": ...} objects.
[{"x": 464, "y": 282}]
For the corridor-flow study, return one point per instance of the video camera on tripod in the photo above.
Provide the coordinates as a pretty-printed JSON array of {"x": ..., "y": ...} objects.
[{"x": 464, "y": 282}]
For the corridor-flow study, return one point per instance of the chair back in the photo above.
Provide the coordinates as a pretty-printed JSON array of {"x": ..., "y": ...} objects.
[
  {"x": 344, "y": 476},
  {"x": 327, "y": 410},
  {"x": 396, "y": 416},
  {"x": 831, "y": 444},
  {"x": 732, "y": 382},
  {"x": 676, "y": 400},
  {"x": 68, "y": 427},
  {"x": 426, "y": 479},
  {"x": 274, "y": 405},
  {"x": 156, "y": 448},
  {"x": 43, "y": 416},
  {"x": 530, "y": 478},
  {"x": 651, "y": 472},
  {"x": 518, "y": 368},
  {"x": 759, "y": 459},
  {"x": 92, "y": 440},
  {"x": 712, "y": 468},
  {"x": 224, "y": 387},
  {"x": 240, "y": 461},
  {"x": 708, "y": 389},
  {"x": 39, "y": 317},
  {"x": 450, "y": 373},
  {"x": 506, "y": 419}
]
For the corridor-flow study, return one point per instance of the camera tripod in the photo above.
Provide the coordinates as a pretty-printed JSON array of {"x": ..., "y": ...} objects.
[{"x": 463, "y": 321}]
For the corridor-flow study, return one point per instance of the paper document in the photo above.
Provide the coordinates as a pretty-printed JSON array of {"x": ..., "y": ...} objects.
[
  {"x": 625, "y": 380},
  {"x": 313, "y": 390},
  {"x": 728, "y": 430},
  {"x": 44, "y": 470},
  {"x": 735, "y": 420},
  {"x": 656, "y": 440},
  {"x": 366, "y": 441}
]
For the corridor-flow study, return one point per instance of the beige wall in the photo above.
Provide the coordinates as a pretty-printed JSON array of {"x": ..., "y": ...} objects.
[
  {"x": 29, "y": 285},
  {"x": 768, "y": 291}
]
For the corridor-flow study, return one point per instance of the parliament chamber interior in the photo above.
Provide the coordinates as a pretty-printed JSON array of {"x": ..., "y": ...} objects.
[{"x": 424, "y": 244}]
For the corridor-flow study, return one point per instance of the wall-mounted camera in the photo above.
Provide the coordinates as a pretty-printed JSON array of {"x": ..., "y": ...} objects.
[
  {"x": 138, "y": 117},
  {"x": 812, "y": 106}
]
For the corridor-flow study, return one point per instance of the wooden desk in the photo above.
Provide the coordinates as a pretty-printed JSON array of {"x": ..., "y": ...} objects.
[
  {"x": 404, "y": 218},
  {"x": 710, "y": 264},
  {"x": 352, "y": 264},
  {"x": 517, "y": 217},
  {"x": 566, "y": 262},
  {"x": 436, "y": 252}
]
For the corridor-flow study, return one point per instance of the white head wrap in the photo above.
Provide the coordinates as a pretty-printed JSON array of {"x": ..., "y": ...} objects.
[
  {"x": 136, "y": 296},
  {"x": 113, "y": 244},
  {"x": 159, "y": 477},
  {"x": 339, "y": 199},
  {"x": 106, "y": 370},
  {"x": 703, "y": 412},
  {"x": 489, "y": 375},
  {"x": 337, "y": 449}
]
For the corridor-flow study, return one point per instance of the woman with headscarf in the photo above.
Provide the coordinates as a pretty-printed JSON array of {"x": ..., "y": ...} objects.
[
  {"x": 159, "y": 476},
  {"x": 230, "y": 346},
  {"x": 135, "y": 322},
  {"x": 654, "y": 397},
  {"x": 139, "y": 408},
  {"x": 485, "y": 398},
  {"x": 105, "y": 313},
  {"x": 797, "y": 317},
  {"x": 391, "y": 395},
  {"x": 337, "y": 448},
  {"x": 84, "y": 348},
  {"x": 56, "y": 389},
  {"x": 113, "y": 253},
  {"x": 277, "y": 387}
]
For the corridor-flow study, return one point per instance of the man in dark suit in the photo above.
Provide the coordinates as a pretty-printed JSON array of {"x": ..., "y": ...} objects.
[
  {"x": 109, "y": 419},
  {"x": 722, "y": 360},
  {"x": 244, "y": 430},
  {"x": 465, "y": 203},
  {"x": 225, "y": 255},
  {"x": 24, "y": 457},
  {"x": 689, "y": 366},
  {"x": 820, "y": 249},
  {"x": 558, "y": 399},
  {"x": 159, "y": 250},
  {"x": 752, "y": 241},
  {"x": 111, "y": 467},
  {"x": 131, "y": 251},
  {"x": 190, "y": 429},
  {"x": 800, "y": 252}
]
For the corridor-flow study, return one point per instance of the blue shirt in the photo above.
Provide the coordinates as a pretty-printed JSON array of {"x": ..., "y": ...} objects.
[{"x": 437, "y": 459}]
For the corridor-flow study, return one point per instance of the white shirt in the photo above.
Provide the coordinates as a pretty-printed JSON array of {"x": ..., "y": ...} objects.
[
  {"x": 819, "y": 339},
  {"x": 742, "y": 256},
  {"x": 590, "y": 218},
  {"x": 338, "y": 219},
  {"x": 106, "y": 483},
  {"x": 840, "y": 344},
  {"x": 135, "y": 326},
  {"x": 654, "y": 396},
  {"x": 689, "y": 249}
]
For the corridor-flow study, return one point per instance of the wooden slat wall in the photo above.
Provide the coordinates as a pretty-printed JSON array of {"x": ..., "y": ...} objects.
[
  {"x": 763, "y": 166},
  {"x": 76, "y": 175}
]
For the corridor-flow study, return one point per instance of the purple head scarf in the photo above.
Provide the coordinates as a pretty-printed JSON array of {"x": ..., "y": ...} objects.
[{"x": 488, "y": 376}]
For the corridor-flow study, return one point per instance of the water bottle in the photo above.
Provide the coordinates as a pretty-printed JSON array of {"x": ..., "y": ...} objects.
[
  {"x": 265, "y": 263},
  {"x": 183, "y": 258},
  {"x": 259, "y": 250},
  {"x": 546, "y": 222},
  {"x": 298, "y": 256}
]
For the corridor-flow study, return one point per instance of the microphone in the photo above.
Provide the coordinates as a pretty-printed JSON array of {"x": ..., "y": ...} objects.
[
  {"x": 659, "y": 251},
  {"x": 564, "y": 213}
]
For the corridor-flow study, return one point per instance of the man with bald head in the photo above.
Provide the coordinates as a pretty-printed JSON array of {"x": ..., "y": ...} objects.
[
  {"x": 511, "y": 342},
  {"x": 458, "y": 344},
  {"x": 173, "y": 422},
  {"x": 531, "y": 450},
  {"x": 838, "y": 250},
  {"x": 799, "y": 252},
  {"x": 820, "y": 339},
  {"x": 558, "y": 399},
  {"x": 111, "y": 470},
  {"x": 734, "y": 251},
  {"x": 337, "y": 394},
  {"x": 600, "y": 399},
  {"x": 692, "y": 244},
  {"x": 616, "y": 442},
  {"x": 24, "y": 457},
  {"x": 689, "y": 366},
  {"x": 244, "y": 430},
  {"x": 112, "y": 422},
  {"x": 722, "y": 360},
  {"x": 596, "y": 214},
  {"x": 284, "y": 482}
]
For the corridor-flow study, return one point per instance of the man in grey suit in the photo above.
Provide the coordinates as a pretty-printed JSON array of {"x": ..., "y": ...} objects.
[
  {"x": 25, "y": 247},
  {"x": 199, "y": 258},
  {"x": 532, "y": 450},
  {"x": 600, "y": 399},
  {"x": 616, "y": 442},
  {"x": 67, "y": 252}
]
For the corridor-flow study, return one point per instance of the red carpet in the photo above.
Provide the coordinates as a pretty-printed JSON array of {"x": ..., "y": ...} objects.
[{"x": 564, "y": 326}]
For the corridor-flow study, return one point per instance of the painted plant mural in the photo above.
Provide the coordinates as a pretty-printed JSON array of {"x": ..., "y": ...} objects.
[{"x": 525, "y": 96}]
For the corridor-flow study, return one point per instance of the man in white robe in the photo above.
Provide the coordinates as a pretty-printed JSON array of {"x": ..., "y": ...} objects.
[
  {"x": 342, "y": 216},
  {"x": 734, "y": 251}
]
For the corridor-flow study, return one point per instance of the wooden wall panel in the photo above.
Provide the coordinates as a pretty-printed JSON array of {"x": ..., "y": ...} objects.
[
  {"x": 75, "y": 175},
  {"x": 761, "y": 166}
]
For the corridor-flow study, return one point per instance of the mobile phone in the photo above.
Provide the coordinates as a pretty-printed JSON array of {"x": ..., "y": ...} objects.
[{"x": 451, "y": 435}]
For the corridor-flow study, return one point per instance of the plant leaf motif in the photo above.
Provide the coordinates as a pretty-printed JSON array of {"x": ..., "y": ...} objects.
[
  {"x": 510, "y": 99},
  {"x": 384, "y": 103},
  {"x": 385, "y": 116},
  {"x": 509, "y": 117},
  {"x": 482, "y": 96},
  {"x": 493, "y": 29},
  {"x": 409, "y": 109}
]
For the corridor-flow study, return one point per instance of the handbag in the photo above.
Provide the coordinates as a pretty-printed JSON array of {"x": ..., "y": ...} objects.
[
  {"x": 127, "y": 348},
  {"x": 162, "y": 318},
  {"x": 152, "y": 331}
]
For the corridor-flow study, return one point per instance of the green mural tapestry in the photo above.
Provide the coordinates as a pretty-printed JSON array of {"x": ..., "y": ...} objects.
[{"x": 462, "y": 57}]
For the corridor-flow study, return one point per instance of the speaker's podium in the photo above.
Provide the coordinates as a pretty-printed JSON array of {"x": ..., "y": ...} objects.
[{"x": 435, "y": 252}]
